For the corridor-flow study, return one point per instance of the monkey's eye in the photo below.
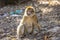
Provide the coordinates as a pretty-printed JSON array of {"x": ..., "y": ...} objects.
[{"x": 32, "y": 11}]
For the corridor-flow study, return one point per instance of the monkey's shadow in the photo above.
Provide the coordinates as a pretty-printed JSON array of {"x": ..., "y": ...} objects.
[{"x": 32, "y": 36}]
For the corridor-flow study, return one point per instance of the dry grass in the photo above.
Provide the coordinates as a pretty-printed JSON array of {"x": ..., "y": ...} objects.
[{"x": 50, "y": 2}]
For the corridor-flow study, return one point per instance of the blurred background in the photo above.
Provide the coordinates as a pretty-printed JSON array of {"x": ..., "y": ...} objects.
[{"x": 47, "y": 11}]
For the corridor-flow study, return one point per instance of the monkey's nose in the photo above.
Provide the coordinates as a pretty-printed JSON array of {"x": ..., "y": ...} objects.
[{"x": 28, "y": 13}]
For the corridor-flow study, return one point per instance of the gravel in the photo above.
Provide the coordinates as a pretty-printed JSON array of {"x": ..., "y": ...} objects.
[{"x": 49, "y": 20}]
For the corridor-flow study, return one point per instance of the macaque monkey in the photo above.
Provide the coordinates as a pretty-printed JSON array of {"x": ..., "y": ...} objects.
[{"x": 28, "y": 23}]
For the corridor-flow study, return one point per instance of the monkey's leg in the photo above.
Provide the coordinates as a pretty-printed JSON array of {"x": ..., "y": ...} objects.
[{"x": 20, "y": 31}]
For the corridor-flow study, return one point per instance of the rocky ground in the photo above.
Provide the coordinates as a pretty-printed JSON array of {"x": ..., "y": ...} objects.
[{"x": 48, "y": 16}]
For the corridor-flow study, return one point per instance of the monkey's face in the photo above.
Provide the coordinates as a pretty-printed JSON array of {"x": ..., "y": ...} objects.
[{"x": 30, "y": 12}]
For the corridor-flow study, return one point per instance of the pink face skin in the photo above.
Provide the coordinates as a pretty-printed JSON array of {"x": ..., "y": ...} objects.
[{"x": 30, "y": 11}]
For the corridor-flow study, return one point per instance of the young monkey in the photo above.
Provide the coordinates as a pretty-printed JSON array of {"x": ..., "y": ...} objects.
[{"x": 28, "y": 22}]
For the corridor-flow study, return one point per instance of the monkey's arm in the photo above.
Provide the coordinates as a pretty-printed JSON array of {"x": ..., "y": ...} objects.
[
  {"x": 23, "y": 20},
  {"x": 38, "y": 26},
  {"x": 35, "y": 18}
]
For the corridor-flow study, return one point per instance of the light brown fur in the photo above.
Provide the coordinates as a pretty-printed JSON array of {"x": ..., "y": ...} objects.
[{"x": 27, "y": 24}]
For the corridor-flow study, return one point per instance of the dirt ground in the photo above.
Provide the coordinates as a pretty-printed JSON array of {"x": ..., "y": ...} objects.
[{"x": 48, "y": 16}]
